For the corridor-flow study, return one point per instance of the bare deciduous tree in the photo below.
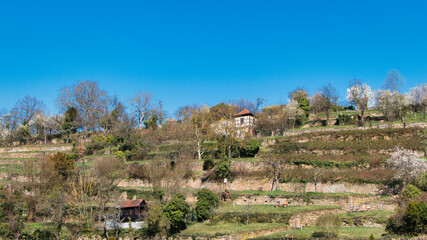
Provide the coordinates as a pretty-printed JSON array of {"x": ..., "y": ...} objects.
[
  {"x": 253, "y": 107},
  {"x": 142, "y": 106},
  {"x": 394, "y": 81},
  {"x": 275, "y": 165},
  {"x": 90, "y": 101},
  {"x": 329, "y": 98},
  {"x": 27, "y": 108}
]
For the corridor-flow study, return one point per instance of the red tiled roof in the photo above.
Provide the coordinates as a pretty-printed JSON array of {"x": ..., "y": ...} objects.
[
  {"x": 243, "y": 113},
  {"x": 132, "y": 203}
]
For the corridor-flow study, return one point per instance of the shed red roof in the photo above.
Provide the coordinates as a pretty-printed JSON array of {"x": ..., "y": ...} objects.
[
  {"x": 132, "y": 203},
  {"x": 243, "y": 113}
]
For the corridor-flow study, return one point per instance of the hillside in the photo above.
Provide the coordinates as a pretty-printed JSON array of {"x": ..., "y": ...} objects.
[{"x": 325, "y": 173}]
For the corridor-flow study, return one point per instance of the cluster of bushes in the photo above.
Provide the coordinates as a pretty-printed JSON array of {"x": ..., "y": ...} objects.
[
  {"x": 347, "y": 119},
  {"x": 411, "y": 217},
  {"x": 133, "y": 148},
  {"x": 206, "y": 202},
  {"x": 177, "y": 214}
]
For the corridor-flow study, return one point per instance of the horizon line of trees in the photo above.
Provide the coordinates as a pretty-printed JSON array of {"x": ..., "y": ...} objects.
[{"x": 85, "y": 107}]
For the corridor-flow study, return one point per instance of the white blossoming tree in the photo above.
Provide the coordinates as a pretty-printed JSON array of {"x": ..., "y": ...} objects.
[
  {"x": 293, "y": 113},
  {"x": 417, "y": 98},
  {"x": 407, "y": 165},
  {"x": 360, "y": 95},
  {"x": 391, "y": 104}
]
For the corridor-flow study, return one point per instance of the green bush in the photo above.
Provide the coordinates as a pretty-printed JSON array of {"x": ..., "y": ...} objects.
[
  {"x": 206, "y": 201},
  {"x": 421, "y": 181},
  {"x": 347, "y": 119},
  {"x": 415, "y": 218},
  {"x": 176, "y": 212},
  {"x": 208, "y": 164},
  {"x": 223, "y": 169},
  {"x": 411, "y": 192},
  {"x": 412, "y": 223},
  {"x": 119, "y": 155},
  {"x": 250, "y": 147}
]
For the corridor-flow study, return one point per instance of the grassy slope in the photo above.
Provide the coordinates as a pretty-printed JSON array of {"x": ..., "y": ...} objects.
[
  {"x": 343, "y": 233},
  {"x": 209, "y": 229}
]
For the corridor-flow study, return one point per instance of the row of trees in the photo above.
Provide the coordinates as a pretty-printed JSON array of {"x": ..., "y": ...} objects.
[{"x": 85, "y": 107}]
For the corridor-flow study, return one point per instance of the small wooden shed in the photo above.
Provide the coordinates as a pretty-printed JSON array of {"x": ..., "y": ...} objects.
[{"x": 133, "y": 209}]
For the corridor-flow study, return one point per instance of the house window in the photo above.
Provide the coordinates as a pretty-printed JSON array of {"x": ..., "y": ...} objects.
[{"x": 242, "y": 120}]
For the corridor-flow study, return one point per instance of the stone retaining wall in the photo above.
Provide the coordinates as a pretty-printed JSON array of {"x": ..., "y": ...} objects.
[
  {"x": 310, "y": 218},
  {"x": 264, "y": 185},
  {"x": 344, "y": 202},
  {"x": 37, "y": 148}
]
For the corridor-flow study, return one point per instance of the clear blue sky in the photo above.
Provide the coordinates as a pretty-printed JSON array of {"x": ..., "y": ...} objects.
[{"x": 207, "y": 51}]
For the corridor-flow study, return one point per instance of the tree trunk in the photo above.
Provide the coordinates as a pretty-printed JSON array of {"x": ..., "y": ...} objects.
[
  {"x": 315, "y": 179},
  {"x": 277, "y": 182},
  {"x": 199, "y": 154},
  {"x": 272, "y": 185}
]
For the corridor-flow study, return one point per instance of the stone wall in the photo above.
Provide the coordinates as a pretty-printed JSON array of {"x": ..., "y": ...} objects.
[
  {"x": 264, "y": 185},
  {"x": 344, "y": 202},
  {"x": 46, "y": 148},
  {"x": 309, "y": 218}
]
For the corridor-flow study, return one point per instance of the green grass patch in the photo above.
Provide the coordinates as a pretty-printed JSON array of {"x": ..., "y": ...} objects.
[
  {"x": 343, "y": 233},
  {"x": 219, "y": 229}
]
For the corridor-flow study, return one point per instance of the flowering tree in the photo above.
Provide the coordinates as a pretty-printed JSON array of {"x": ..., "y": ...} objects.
[
  {"x": 293, "y": 113},
  {"x": 407, "y": 165},
  {"x": 417, "y": 98},
  {"x": 391, "y": 104},
  {"x": 360, "y": 95}
]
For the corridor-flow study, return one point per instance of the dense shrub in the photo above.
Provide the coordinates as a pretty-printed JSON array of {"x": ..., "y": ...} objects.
[
  {"x": 137, "y": 171},
  {"x": 136, "y": 151},
  {"x": 223, "y": 168},
  {"x": 411, "y": 192},
  {"x": 119, "y": 155},
  {"x": 93, "y": 147},
  {"x": 176, "y": 212},
  {"x": 206, "y": 201},
  {"x": 412, "y": 223},
  {"x": 250, "y": 147},
  {"x": 421, "y": 181},
  {"x": 208, "y": 164},
  {"x": 346, "y": 119}
]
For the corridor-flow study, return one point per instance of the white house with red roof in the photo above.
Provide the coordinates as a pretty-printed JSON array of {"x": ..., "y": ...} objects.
[{"x": 244, "y": 123}]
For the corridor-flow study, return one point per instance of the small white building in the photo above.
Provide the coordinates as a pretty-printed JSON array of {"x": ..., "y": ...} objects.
[{"x": 244, "y": 122}]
